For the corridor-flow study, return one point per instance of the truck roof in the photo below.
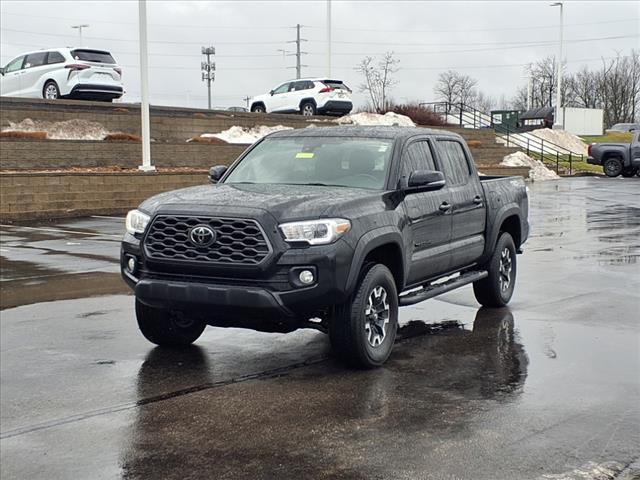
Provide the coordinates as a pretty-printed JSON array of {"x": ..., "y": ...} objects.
[{"x": 377, "y": 131}]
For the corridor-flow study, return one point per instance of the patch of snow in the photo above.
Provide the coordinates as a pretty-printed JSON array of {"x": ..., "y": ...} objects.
[
  {"x": 561, "y": 138},
  {"x": 366, "y": 118},
  {"x": 238, "y": 134},
  {"x": 538, "y": 173},
  {"x": 74, "y": 129}
]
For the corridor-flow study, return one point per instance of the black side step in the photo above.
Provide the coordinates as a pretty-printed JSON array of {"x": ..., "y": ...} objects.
[{"x": 430, "y": 291}]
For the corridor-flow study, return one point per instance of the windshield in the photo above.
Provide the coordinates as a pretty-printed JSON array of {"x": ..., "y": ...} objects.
[{"x": 337, "y": 161}]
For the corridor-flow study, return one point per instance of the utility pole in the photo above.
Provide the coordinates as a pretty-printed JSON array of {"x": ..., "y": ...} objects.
[
  {"x": 328, "y": 38},
  {"x": 144, "y": 88},
  {"x": 80, "y": 27},
  {"x": 298, "y": 53},
  {"x": 529, "y": 87},
  {"x": 208, "y": 70},
  {"x": 556, "y": 120},
  {"x": 247, "y": 99}
]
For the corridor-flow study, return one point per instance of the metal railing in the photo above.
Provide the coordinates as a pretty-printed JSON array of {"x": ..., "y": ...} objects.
[{"x": 544, "y": 150}]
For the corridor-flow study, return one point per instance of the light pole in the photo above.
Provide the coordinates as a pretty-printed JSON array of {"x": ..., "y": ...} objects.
[
  {"x": 144, "y": 88},
  {"x": 328, "y": 38},
  {"x": 556, "y": 119},
  {"x": 80, "y": 27}
]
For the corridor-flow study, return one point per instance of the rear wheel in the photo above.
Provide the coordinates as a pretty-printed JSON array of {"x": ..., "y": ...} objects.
[
  {"x": 308, "y": 109},
  {"x": 51, "y": 90},
  {"x": 612, "y": 167},
  {"x": 166, "y": 328},
  {"x": 630, "y": 172},
  {"x": 497, "y": 288},
  {"x": 364, "y": 328}
]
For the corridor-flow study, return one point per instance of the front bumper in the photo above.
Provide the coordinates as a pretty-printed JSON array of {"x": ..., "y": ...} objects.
[{"x": 268, "y": 299}]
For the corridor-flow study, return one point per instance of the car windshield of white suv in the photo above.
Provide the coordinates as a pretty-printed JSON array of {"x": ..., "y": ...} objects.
[{"x": 331, "y": 161}]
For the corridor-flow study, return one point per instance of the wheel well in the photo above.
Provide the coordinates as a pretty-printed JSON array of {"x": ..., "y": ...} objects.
[
  {"x": 305, "y": 100},
  {"x": 607, "y": 156},
  {"x": 258, "y": 103},
  {"x": 390, "y": 256},
  {"x": 511, "y": 225}
]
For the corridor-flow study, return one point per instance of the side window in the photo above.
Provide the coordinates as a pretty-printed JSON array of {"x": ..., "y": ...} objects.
[
  {"x": 55, "y": 57},
  {"x": 454, "y": 162},
  {"x": 417, "y": 156},
  {"x": 35, "y": 60},
  {"x": 281, "y": 89},
  {"x": 304, "y": 85},
  {"x": 14, "y": 65}
]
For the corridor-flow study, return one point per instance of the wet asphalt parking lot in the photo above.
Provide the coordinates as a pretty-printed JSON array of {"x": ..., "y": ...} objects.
[{"x": 548, "y": 388}]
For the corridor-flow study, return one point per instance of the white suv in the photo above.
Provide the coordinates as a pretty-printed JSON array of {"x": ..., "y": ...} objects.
[
  {"x": 63, "y": 73},
  {"x": 307, "y": 96}
]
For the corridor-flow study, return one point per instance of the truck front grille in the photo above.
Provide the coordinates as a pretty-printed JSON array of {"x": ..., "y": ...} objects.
[{"x": 237, "y": 240}]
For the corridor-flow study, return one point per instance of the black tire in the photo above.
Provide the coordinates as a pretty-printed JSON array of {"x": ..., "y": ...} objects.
[
  {"x": 259, "y": 108},
  {"x": 497, "y": 289},
  {"x": 50, "y": 91},
  {"x": 165, "y": 328},
  {"x": 362, "y": 340},
  {"x": 612, "y": 167},
  {"x": 630, "y": 172},
  {"x": 308, "y": 109}
]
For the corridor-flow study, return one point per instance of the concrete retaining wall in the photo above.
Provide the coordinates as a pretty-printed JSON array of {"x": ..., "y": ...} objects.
[
  {"x": 53, "y": 195},
  {"x": 16, "y": 154}
]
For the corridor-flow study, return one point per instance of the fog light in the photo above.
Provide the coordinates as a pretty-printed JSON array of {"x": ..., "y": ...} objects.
[
  {"x": 131, "y": 265},
  {"x": 306, "y": 277}
]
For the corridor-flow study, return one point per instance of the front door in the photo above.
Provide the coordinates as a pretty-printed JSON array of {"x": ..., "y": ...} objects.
[
  {"x": 10, "y": 83},
  {"x": 279, "y": 98},
  {"x": 429, "y": 216}
]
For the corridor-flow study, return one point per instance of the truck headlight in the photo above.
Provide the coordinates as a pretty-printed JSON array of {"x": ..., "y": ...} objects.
[
  {"x": 315, "y": 232},
  {"x": 136, "y": 222}
]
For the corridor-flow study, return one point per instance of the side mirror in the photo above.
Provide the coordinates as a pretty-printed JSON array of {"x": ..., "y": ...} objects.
[
  {"x": 1, "y": 71},
  {"x": 426, "y": 180},
  {"x": 216, "y": 173},
  {"x": 271, "y": 92}
]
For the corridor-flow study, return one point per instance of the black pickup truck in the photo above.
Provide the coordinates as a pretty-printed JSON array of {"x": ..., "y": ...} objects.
[{"x": 328, "y": 228}]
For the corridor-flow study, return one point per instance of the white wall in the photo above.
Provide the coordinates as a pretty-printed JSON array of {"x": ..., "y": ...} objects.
[{"x": 582, "y": 121}]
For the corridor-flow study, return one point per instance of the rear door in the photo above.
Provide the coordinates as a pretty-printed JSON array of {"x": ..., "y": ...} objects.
[
  {"x": 35, "y": 66},
  {"x": 468, "y": 208},
  {"x": 429, "y": 217},
  {"x": 10, "y": 83},
  {"x": 635, "y": 149},
  {"x": 300, "y": 90}
]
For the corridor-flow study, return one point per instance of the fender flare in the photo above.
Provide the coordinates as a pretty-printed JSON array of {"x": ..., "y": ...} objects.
[
  {"x": 308, "y": 99},
  {"x": 367, "y": 243},
  {"x": 500, "y": 216}
]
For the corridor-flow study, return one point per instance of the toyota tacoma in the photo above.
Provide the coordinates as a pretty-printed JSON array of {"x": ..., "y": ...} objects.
[
  {"x": 617, "y": 158},
  {"x": 328, "y": 228}
]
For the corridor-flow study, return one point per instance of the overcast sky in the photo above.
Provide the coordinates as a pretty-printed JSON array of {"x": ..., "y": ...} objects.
[{"x": 488, "y": 40}]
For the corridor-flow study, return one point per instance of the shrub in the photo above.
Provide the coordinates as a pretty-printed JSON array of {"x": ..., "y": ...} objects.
[
  {"x": 209, "y": 140},
  {"x": 474, "y": 143},
  {"x": 25, "y": 135},
  {"x": 419, "y": 114},
  {"x": 121, "y": 137}
]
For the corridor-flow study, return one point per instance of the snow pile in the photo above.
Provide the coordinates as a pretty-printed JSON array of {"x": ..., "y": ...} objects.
[
  {"x": 538, "y": 170},
  {"x": 562, "y": 138},
  {"x": 366, "y": 118},
  {"x": 238, "y": 134},
  {"x": 67, "y": 130}
]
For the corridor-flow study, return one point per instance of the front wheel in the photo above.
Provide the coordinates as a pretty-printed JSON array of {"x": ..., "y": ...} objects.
[
  {"x": 165, "y": 328},
  {"x": 363, "y": 329},
  {"x": 258, "y": 109},
  {"x": 630, "y": 172},
  {"x": 612, "y": 167},
  {"x": 497, "y": 288}
]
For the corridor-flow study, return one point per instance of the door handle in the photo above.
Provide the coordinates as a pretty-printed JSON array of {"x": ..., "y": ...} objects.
[
  {"x": 445, "y": 207},
  {"x": 477, "y": 200}
]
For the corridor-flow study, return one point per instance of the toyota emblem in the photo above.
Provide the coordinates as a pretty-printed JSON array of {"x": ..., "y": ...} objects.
[{"x": 202, "y": 236}]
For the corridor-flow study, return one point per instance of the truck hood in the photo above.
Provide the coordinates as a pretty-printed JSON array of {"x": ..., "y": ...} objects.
[{"x": 283, "y": 202}]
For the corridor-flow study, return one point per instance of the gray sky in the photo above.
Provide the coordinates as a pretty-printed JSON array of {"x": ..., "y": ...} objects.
[{"x": 488, "y": 40}]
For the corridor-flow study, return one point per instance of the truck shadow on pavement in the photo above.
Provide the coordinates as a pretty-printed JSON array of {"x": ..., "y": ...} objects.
[{"x": 323, "y": 420}]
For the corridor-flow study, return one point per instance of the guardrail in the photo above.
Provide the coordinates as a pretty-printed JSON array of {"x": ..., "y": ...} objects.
[{"x": 544, "y": 150}]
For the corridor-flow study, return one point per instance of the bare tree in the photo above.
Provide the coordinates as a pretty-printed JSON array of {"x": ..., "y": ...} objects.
[
  {"x": 455, "y": 87},
  {"x": 378, "y": 79},
  {"x": 483, "y": 102}
]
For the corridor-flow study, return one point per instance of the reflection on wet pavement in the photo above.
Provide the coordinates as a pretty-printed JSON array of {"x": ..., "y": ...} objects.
[{"x": 544, "y": 389}]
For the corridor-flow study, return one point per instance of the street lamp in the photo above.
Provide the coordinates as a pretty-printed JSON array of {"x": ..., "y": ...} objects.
[
  {"x": 556, "y": 119},
  {"x": 80, "y": 27}
]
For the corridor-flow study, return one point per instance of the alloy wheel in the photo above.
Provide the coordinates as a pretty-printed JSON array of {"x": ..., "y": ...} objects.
[{"x": 377, "y": 316}]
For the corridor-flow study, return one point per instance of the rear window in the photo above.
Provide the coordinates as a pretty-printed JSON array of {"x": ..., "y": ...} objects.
[
  {"x": 92, "y": 56},
  {"x": 55, "y": 57},
  {"x": 336, "y": 85}
]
